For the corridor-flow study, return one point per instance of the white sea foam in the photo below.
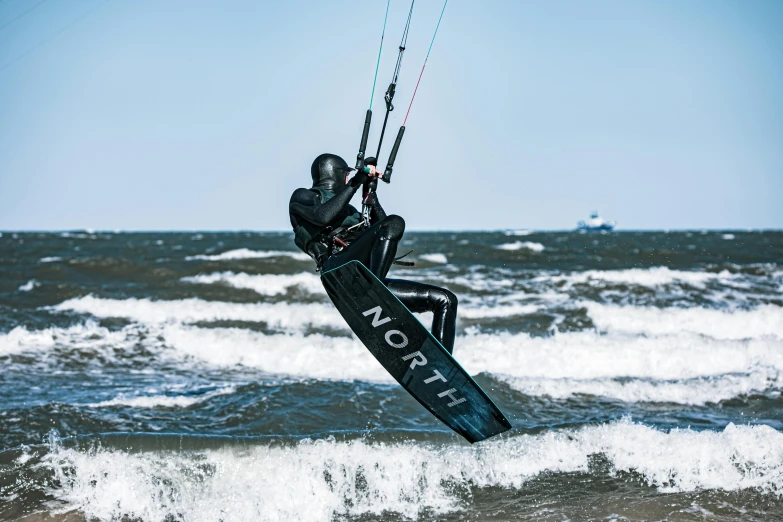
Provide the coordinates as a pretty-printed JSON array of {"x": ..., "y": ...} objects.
[
  {"x": 728, "y": 236},
  {"x": 79, "y": 235},
  {"x": 87, "y": 336},
  {"x": 698, "y": 391},
  {"x": 275, "y": 315},
  {"x": 475, "y": 281},
  {"x": 501, "y": 310},
  {"x": 766, "y": 320},
  {"x": 289, "y": 316},
  {"x": 523, "y": 232},
  {"x": 50, "y": 259},
  {"x": 650, "y": 277},
  {"x": 519, "y": 245},
  {"x": 587, "y": 355},
  {"x": 685, "y": 369},
  {"x": 434, "y": 258},
  {"x": 264, "y": 284},
  {"x": 357, "y": 478},
  {"x": 32, "y": 283},
  {"x": 20, "y": 339},
  {"x": 245, "y": 253},
  {"x": 162, "y": 401},
  {"x": 313, "y": 356},
  {"x": 682, "y": 368}
]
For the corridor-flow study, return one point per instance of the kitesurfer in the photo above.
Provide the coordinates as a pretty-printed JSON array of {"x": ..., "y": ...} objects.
[{"x": 331, "y": 231}]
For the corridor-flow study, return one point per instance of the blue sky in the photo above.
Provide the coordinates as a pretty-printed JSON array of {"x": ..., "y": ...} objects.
[{"x": 167, "y": 114}]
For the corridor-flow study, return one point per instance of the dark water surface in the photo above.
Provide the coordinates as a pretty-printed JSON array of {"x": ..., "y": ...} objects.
[{"x": 206, "y": 377}]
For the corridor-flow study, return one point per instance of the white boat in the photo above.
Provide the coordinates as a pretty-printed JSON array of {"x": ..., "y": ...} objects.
[{"x": 596, "y": 222}]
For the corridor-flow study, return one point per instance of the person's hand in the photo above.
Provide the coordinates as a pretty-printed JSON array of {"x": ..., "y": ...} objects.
[
  {"x": 375, "y": 172},
  {"x": 359, "y": 178},
  {"x": 371, "y": 164},
  {"x": 368, "y": 172}
]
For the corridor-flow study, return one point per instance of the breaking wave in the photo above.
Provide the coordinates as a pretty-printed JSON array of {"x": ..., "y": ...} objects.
[
  {"x": 245, "y": 253},
  {"x": 28, "y": 286},
  {"x": 681, "y": 368},
  {"x": 283, "y": 315},
  {"x": 765, "y": 320},
  {"x": 434, "y": 258},
  {"x": 649, "y": 277},
  {"x": 264, "y": 284},
  {"x": 359, "y": 478},
  {"x": 163, "y": 401},
  {"x": 294, "y": 316},
  {"x": 519, "y": 245}
]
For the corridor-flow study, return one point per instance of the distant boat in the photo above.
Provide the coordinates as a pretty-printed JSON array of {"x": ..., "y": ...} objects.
[{"x": 596, "y": 223}]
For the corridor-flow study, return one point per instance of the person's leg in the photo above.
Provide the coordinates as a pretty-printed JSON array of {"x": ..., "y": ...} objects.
[
  {"x": 360, "y": 249},
  {"x": 385, "y": 248},
  {"x": 375, "y": 248},
  {"x": 421, "y": 297}
]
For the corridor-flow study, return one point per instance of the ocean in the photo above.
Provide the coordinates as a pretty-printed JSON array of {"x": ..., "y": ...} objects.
[{"x": 195, "y": 376}]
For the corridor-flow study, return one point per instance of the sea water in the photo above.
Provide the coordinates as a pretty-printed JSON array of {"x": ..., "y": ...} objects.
[{"x": 207, "y": 377}]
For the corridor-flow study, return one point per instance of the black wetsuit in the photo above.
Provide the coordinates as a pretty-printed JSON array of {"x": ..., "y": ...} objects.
[{"x": 314, "y": 219}]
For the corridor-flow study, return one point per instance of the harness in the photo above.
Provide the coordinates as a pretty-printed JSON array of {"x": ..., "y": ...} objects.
[{"x": 322, "y": 242}]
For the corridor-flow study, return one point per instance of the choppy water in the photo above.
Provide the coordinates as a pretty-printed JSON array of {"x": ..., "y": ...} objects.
[{"x": 206, "y": 377}]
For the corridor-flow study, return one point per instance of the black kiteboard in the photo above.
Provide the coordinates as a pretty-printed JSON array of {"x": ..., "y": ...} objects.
[{"x": 411, "y": 354}]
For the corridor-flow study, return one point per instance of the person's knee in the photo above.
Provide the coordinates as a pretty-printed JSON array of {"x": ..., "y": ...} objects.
[
  {"x": 452, "y": 300},
  {"x": 393, "y": 227},
  {"x": 445, "y": 300}
]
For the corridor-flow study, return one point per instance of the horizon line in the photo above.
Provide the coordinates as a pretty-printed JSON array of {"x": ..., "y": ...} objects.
[{"x": 467, "y": 230}]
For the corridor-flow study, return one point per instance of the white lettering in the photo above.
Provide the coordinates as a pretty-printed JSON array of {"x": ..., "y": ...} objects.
[
  {"x": 421, "y": 361},
  {"x": 402, "y": 344},
  {"x": 454, "y": 400},
  {"x": 376, "y": 320},
  {"x": 435, "y": 378}
]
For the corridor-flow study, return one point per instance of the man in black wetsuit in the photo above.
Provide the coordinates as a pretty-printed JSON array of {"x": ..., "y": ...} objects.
[{"x": 331, "y": 231}]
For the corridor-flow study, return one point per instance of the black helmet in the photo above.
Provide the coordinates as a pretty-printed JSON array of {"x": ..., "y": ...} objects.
[{"x": 329, "y": 171}]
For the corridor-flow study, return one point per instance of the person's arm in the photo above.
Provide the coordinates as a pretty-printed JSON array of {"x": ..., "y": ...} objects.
[
  {"x": 307, "y": 204},
  {"x": 376, "y": 210}
]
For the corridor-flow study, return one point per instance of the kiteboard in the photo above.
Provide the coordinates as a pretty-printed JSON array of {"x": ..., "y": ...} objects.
[{"x": 410, "y": 353}]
